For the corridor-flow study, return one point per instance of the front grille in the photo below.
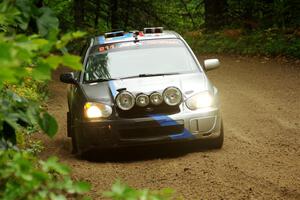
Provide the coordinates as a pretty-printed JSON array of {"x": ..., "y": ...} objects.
[
  {"x": 137, "y": 112},
  {"x": 153, "y": 132}
]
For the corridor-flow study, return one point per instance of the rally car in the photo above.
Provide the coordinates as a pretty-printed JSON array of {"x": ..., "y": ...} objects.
[{"x": 141, "y": 87}]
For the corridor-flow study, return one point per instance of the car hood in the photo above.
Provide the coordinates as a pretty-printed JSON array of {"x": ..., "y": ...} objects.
[{"x": 105, "y": 92}]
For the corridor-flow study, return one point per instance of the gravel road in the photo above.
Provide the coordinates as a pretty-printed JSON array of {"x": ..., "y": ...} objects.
[{"x": 260, "y": 158}]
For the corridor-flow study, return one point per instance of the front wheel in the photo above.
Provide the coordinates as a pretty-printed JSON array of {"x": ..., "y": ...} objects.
[
  {"x": 70, "y": 133},
  {"x": 69, "y": 124},
  {"x": 74, "y": 144}
]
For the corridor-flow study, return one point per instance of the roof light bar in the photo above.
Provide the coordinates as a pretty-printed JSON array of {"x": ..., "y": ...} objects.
[
  {"x": 114, "y": 34},
  {"x": 153, "y": 30},
  {"x": 134, "y": 32}
]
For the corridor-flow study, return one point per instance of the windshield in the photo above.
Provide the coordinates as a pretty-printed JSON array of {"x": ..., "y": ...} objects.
[{"x": 132, "y": 59}]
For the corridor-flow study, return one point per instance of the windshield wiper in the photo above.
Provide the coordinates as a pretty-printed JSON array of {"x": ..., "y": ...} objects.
[
  {"x": 127, "y": 77},
  {"x": 149, "y": 75},
  {"x": 99, "y": 80}
]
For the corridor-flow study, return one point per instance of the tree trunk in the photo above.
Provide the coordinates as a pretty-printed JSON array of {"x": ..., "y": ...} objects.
[
  {"x": 127, "y": 13},
  {"x": 114, "y": 15},
  {"x": 78, "y": 13},
  {"x": 97, "y": 11},
  {"x": 215, "y": 13},
  {"x": 32, "y": 25}
]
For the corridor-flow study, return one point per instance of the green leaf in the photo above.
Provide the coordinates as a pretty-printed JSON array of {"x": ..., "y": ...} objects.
[
  {"x": 82, "y": 187},
  {"x": 71, "y": 61},
  {"x": 78, "y": 34},
  {"x": 5, "y": 51},
  {"x": 57, "y": 197},
  {"x": 53, "y": 61},
  {"x": 53, "y": 164},
  {"x": 48, "y": 124},
  {"x": 118, "y": 188},
  {"x": 40, "y": 176},
  {"x": 46, "y": 21},
  {"x": 66, "y": 38},
  {"x": 25, "y": 6},
  {"x": 41, "y": 72},
  {"x": 39, "y": 43},
  {"x": 8, "y": 13}
]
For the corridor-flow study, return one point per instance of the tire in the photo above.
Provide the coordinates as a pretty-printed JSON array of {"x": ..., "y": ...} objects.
[
  {"x": 217, "y": 143},
  {"x": 69, "y": 125},
  {"x": 74, "y": 144},
  {"x": 70, "y": 133}
]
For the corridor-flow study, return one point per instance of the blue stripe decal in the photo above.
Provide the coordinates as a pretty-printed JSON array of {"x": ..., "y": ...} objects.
[
  {"x": 184, "y": 135},
  {"x": 101, "y": 40},
  {"x": 164, "y": 120},
  {"x": 112, "y": 88}
]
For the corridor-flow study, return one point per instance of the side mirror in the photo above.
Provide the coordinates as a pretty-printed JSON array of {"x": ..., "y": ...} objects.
[
  {"x": 68, "y": 78},
  {"x": 211, "y": 64}
]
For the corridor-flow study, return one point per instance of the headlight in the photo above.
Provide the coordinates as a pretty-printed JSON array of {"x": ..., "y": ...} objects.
[
  {"x": 142, "y": 100},
  {"x": 201, "y": 100},
  {"x": 172, "y": 96},
  {"x": 96, "y": 110},
  {"x": 125, "y": 100},
  {"x": 156, "y": 98}
]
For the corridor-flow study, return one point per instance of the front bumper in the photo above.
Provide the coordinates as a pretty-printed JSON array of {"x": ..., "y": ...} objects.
[{"x": 191, "y": 125}]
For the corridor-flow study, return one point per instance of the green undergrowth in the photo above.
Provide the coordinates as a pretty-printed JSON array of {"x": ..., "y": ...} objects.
[
  {"x": 121, "y": 191},
  {"x": 23, "y": 176},
  {"x": 267, "y": 42},
  {"x": 31, "y": 90}
]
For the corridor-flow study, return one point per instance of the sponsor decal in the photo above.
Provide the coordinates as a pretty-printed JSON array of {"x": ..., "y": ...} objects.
[{"x": 107, "y": 47}]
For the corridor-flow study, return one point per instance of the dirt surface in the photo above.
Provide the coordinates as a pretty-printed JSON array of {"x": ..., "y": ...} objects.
[{"x": 260, "y": 158}]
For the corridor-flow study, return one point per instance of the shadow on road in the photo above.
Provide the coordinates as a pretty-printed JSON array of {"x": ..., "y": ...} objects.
[{"x": 142, "y": 153}]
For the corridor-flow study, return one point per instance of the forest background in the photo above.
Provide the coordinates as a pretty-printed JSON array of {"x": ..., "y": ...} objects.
[{"x": 37, "y": 36}]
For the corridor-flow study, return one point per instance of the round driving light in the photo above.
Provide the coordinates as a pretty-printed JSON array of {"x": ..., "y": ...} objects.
[
  {"x": 172, "y": 96},
  {"x": 125, "y": 100},
  {"x": 156, "y": 98},
  {"x": 142, "y": 100}
]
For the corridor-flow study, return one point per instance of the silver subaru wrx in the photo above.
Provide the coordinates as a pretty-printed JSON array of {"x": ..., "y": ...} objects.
[{"x": 141, "y": 87}]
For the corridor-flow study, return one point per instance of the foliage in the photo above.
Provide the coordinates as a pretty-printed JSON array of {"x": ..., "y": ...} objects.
[
  {"x": 103, "y": 15},
  {"x": 23, "y": 56},
  {"x": 27, "y": 61},
  {"x": 34, "y": 146},
  {"x": 253, "y": 17},
  {"x": 22, "y": 176},
  {"x": 33, "y": 91},
  {"x": 120, "y": 191},
  {"x": 30, "y": 89},
  {"x": 264, "y": 14},
  {"x": 181, "y": 15},
  {"x": 16, "y": 111},
  {"x": 268, "y": 42}
]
